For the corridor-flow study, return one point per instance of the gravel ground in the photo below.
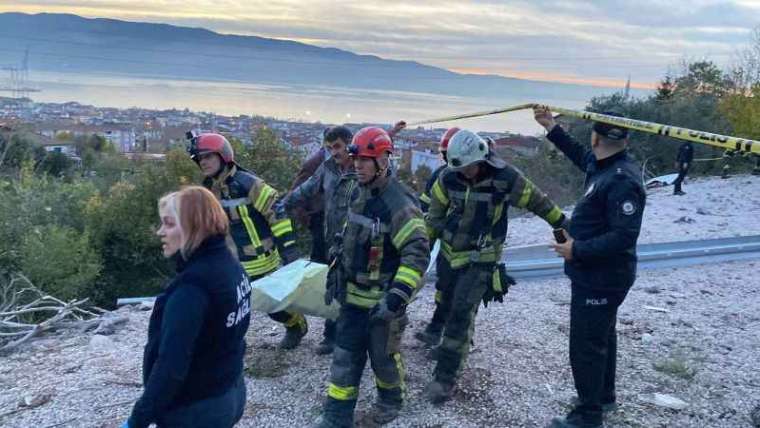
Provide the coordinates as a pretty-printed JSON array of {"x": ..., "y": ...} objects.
[
  {"x": 705, "y": 347},
  {"x": 711, "y": 208},
  {"x": 699, "y": 344}
]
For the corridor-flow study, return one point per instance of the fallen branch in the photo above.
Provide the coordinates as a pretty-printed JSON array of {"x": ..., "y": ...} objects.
[{"x": 26, "y": 312}]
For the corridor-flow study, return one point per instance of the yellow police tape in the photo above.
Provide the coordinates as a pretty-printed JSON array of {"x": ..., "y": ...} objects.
[{"x": 701, "y": 137}]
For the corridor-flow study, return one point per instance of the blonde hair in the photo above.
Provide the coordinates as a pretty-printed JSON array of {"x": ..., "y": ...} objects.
[{"x": 198, "y": 214}]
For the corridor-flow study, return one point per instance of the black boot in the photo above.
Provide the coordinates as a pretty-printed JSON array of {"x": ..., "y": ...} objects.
[
  {"x": 431, "y": 335},
  {"x": 294, "y": 333},
  {"x": 568, "y": 422},
  {"x": 336, "y": 414},
  {"x": 384, "y": 412},
  {"x": 606, "y": 407},
  {"x": 325, "y": 347},
  {"x": 439, "y": 392}
]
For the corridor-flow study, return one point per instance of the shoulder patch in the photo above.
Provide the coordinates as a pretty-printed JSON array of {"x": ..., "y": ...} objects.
[{"x": 628, "y": 207}]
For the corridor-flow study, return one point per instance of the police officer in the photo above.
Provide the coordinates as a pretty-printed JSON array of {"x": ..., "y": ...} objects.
[
  {"x": 468, "y": 213},
  {"x": 431, "y": 335},
  {"x": 262, "y": 237},
  {"x": 333, "y": 182},
  {"x": 600, "y": 260},
  {"x": 683, "y": 162},
  {"x": 385, "y": 253}
]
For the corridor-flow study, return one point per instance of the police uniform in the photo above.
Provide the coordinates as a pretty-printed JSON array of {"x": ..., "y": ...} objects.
[
  {"x": 605, "y": 227},
  {"x": 385, "y": 251},
  {"x": 684, "y": 158},
  {"x": 470, "y": 219}
]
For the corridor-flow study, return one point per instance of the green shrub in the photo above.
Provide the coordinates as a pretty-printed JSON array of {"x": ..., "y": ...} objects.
[{"x": 60, "y": 261}]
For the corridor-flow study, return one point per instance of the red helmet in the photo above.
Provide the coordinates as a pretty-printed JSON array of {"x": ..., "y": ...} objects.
[
  {"x": 211, "y": 143},
  {"x": 446, "y": 137},
  {"x": 371, "y": 142}
]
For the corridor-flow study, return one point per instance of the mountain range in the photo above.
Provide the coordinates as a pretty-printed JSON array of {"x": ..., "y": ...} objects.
[{"x": 73, "y": 44}]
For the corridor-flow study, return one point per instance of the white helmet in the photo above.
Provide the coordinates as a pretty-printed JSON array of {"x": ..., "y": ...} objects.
[{"x": 466, "y": 148}]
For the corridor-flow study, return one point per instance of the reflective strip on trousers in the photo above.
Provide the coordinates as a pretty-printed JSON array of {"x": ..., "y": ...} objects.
[{"x": 342, "y": 393}]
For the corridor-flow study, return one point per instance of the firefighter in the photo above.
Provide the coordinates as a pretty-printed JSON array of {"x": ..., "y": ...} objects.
[
  {"x": 263, "y": 238},
  {"x": 431, "y": 335},
  {"x": 468, "y": 213},
  {"x": 384, "y": 255}
]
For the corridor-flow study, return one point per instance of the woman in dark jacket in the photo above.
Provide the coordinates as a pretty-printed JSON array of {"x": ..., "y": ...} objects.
[{"x": 193, "y": 361}]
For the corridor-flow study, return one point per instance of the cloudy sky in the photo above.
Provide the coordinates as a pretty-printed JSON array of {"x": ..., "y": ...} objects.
[{"x": 597, "y": 42}]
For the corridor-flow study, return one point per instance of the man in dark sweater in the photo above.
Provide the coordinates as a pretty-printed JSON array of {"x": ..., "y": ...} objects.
[{"x": 683, "y": 162}]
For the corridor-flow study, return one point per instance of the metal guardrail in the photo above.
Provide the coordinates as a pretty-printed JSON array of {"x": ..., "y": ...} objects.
[
  {"x": 521, "y": 265},
  {"x": 652, "y": 256}
]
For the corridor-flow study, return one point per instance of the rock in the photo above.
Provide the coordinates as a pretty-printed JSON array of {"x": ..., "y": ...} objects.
[
  {"x": 665, "y": 400},
  {"x": 35, "y": 400},
  {"x": 702, "y": 211},
  {"x": 647, "y": 338},
  {"x": 99, "y": 342},
  {"x": 146, "y": 306},
  {"x": 685, "y": 220},
  {"x": 109, "y": 323}
]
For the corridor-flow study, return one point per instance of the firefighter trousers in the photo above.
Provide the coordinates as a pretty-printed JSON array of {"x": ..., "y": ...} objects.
[
  {"x": 469, "y": 285},
  {"x": 357, "y": 338}
]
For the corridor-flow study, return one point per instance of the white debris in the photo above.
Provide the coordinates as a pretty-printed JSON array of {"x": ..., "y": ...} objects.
[
  {"x": 665, "y": 400},
  {"x": 655, "y": 309}
]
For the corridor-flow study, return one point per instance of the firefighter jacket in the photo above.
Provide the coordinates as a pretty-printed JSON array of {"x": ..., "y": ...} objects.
[
  {"x": 260, "y": 234},
  {"x": 425, "y": 196},
  {"x": 385, "y": 245},
  {"x": 334, "y": 187},
  {"x": 470, "y": 219}
]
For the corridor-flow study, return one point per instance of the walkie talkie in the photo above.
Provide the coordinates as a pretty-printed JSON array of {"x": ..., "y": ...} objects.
[{"x": 559, "y": 235}]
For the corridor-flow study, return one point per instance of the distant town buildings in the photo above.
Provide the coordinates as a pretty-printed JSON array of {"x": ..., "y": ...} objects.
[{"x": 137, "y": 130}]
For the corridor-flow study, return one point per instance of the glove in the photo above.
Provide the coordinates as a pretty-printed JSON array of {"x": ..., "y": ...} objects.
[
  {"x": 289, "y": 254},
  {"x": 564, "y": 223},
  {"x": 331, "y": 288},
  {"x": 499, "y": 286},
  {"x": 388, "y": 308}
]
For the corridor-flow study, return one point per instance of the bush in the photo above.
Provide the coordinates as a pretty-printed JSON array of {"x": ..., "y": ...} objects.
[
  {"x": 37, "y": 202},
  {"x": 60, "y": 261}
]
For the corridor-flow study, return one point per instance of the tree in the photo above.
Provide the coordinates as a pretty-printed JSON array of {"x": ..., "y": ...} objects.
[
  {"x": 56, "y": 164},
  {"x": 269, "y": 158},
  {"x": 743, "y": 112},
  {"x": 702, "y": 78},
  {"x": 18, "y": 149},
  {"x": 422, "y": 175},
  {"x": 665, "y": 89}
]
